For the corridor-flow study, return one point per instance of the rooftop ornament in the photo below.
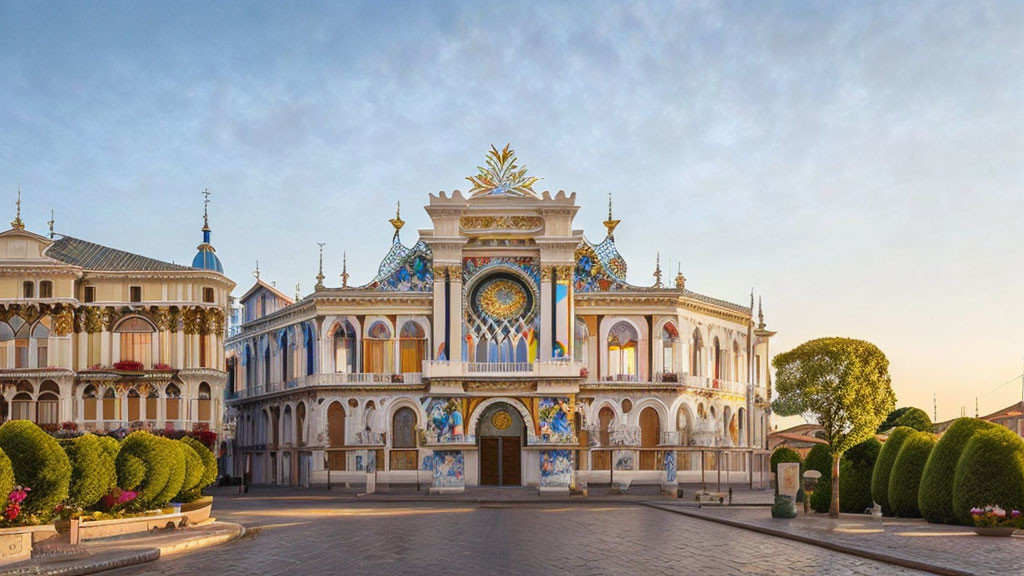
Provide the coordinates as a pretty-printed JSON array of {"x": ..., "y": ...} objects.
[
  {"x": 17, "y": 224},
  {"x": 502, "y": 176}
]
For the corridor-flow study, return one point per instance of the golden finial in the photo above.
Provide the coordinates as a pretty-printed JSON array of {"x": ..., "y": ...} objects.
[
  {"x": 320, "y": 274},
  {"x": 610, "y": 223},
  {"x": 256, "y": 272},
  {"x": 657, "y": 271},
  {"x": 50, "y": 223},
  {"x": 397, "y": 221},
  {"x": 344, "y": 269},
  {"x": 502, "y": 176},
  {"x": 680, "y": 279},
  {"x": 17, "y": 224}
]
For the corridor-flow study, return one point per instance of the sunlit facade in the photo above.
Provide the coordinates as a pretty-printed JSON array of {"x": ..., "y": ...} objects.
[{"x": 502, "y": 348}]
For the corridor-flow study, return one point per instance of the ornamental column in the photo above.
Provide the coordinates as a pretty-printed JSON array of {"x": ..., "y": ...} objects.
[
  {"x": 455, "y": 314},
  {"x": 565, "y": 317},
  {"x": 547, "y": 312}
]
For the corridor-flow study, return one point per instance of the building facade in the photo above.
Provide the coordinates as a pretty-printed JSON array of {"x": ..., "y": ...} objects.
[
  {"x": 105, "y": 339},
  {"x": 501, "y": 348}
]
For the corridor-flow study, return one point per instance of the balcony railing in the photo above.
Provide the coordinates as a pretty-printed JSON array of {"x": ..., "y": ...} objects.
[
  {"x": 551, "y": 369},
  {"x": 683, "y": 379},
  {"x": 333, "y": 379}
]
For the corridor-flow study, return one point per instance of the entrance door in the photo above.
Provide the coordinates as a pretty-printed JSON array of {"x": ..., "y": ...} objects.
[{"x": 501, "y": 432}]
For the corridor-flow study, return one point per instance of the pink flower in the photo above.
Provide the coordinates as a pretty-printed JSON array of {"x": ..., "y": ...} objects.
[
  {"x": 12, "y": 512},
  {"x": 127, "y": 496}
]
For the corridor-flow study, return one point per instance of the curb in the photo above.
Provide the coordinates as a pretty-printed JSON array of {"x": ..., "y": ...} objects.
[
  {"x": 90, "y": 567},
  {"x": 236, "y": 533},
  {"x": 879, "y": 557}
]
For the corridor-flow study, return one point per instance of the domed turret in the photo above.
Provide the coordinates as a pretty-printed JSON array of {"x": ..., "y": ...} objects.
[{"x": 206, "y": 258}]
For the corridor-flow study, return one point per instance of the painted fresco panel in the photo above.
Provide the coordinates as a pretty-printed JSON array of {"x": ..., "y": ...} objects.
[
  {"x": 556, "y": 468},
  {"x": 555, "y": 419},
  {"x": 670, "y": 466},
  {"x": 449, "y": 469},
  {"x": 444, "y": 420}
]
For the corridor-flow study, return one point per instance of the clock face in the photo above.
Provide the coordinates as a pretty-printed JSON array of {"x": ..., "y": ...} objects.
[{"x": 503, "y": 298}]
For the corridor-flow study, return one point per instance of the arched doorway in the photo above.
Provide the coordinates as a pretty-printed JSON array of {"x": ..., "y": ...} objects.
[
  {"x": 650, "y": 436},
  {"x": 501, "y": 432}
]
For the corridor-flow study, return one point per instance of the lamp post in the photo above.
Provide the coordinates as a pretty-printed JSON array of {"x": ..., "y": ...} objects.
[{"x": 811, "y": 478}]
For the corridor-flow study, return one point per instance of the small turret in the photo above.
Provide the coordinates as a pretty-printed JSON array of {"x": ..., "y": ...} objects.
[{"x": 207, "y": 259}]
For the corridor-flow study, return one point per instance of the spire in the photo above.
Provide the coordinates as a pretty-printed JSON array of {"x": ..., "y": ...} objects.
[
  {"x": 298, "y": 293},
  {"x": 657, "y": 271},
  {"x": 751, "y": 299},
  {"x": 17, "y": 224},
  {"x": 50, "y": 223},
  {"x": 320, "y": 274},
  {"x": 680, "y": 279},
  {"x": 611, "y": 222},
  {"x": 344, "y": 269},
  {"x": 256, "y": 272},
  {"x": 397, "y": 221},
  {"x": 206, "y": 259},
  {"x": 760, "y": 314}
]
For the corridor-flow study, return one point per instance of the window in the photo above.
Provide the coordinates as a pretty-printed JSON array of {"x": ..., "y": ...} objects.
[
  {"x": 204, "y": 402},
  {"x": 377, "y": 350},
  {"x": 46, "y": 289},
  {"x": 21, "y": 335},
  {"x": 173, "y": 402},
  {"x": 41, "y": 335},
  {"x": 345, "y": 348},
  {"x": 412, "y": 346},
  {"x": 208, "y": 295},
  {"x": 622, "y": 356},
  {"x": 135, "y": 293},
  {"x": 21, "y": 406},
  {"x": 136, "y": 340},
  {"x": 90, "y": 294},
  {"x": 669, "y": 337},
  {"x": 28, "y": 289}
]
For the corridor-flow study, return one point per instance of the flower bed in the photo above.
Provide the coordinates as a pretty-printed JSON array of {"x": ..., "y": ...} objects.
[{"x": 995, "y": 521}]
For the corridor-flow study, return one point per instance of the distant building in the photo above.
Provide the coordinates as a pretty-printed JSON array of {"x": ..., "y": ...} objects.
[
  {"x": 1011, "y": 417},
  {"x": 109, "y": 339},
  {"x": 800, "y": 438}
]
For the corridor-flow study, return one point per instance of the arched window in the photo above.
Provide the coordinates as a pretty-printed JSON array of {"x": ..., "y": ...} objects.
[
  {"x": 669, "y": 341},
  {"x": 136, "y": 336},
  {"x": 345, "y": 348},
  {"x": 285, "y": 349},
  {"x": 716, "y": 356},
  {"x": 403, "y": 440},
  {"x": 111, "y": 407},
  {"x": 737, "y": 372},
  {"x": 21, "y": 404},
  {"x": 266, "y": 363},
  {"x": 250, "y": 368},
  {"x": 205, "y": 398},
  {"x": 41, "y": 336},
  {"x": 28, "y": 289},
  {"x": 696, "y": 353},
  {"x": 21, "y": 337},
  {"x": 310, "y": 341},
  {"x": 650, "y": 437},
  {"x": 134, "y": 406},
  {"x": 336, "y": 435},
  {"x": 152, "y": 405},
  {"x": 6, "y": 345},
  {"x": 300, "y": 424},
  {"x": 89, "y": 401},
  {"x": 48, "y": 403},
  {"x": 622, "y": 351},
  {"x": 172, "y": 402},
  {"x": 377, "y": 350},
  {"x": 601, "y": 460},
  {"x": 580, "y": 339},
  {"x": 286, "y": 424},
  {"x": 412, "y": 344}
]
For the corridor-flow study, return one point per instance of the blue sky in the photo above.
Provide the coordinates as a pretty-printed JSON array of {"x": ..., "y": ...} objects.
[{"x": 859, "y": 164}]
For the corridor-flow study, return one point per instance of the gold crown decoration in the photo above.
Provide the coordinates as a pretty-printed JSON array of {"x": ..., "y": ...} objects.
[
  {"x": 502, "y": 176},
  {"x": 397, "y": 221},
  {"x": 610, "y": 223}
]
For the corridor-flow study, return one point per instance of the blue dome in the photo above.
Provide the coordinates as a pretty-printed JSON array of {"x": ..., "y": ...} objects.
[{"x": 207, "y": 260}]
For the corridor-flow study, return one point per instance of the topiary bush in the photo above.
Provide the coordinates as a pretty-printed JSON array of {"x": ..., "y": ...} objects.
[
  {"x": 935, "y": 496},
  {"x": 7, "y": 481},
  {"x": 905, "y": 478},
  {"x": 855, "y": 471},
  {"x": 92, "y": 471},
  {"x": 39, "y": 463},
  {"x": 209, "y": 462},
  {"x": 194, "y": 470},
  {"x": 819, "y": 459},
  {"x": 883, "y": 466},
  {"x": 110, "y": 445},
  {"x": 990, "y": 471},
  {"x": 152, "y": 466},
  {"x": 915, "y": 418}
]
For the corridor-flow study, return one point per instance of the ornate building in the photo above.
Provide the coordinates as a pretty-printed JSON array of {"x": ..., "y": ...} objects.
[
  {"x": 108, "y": 339},
  {"x": 502, "y": 348}
]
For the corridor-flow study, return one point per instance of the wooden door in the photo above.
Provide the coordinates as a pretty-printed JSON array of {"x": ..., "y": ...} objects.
[
  {"x": 489, "y": 461},
  {"x": 650, "y": 435},
  {"x": 510, "y": 461}
]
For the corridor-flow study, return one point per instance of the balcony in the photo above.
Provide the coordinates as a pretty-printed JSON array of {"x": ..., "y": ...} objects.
[
  {"x": 551, "y": 369},
  {"x": 331, "y": 380},
  {"x": 682, "y": 379}
]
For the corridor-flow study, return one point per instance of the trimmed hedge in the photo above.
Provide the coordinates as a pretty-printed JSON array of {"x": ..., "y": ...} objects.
[
  {"x": 855, "y": 471},
  {"x": 990, "y": 472},
  {"x": 935, "y": 496},
  {"x": 819, "y": 459},
  {"x": 209, "y": 468},
  {"x": 883, "y": 466},
  {"x": 92, "y": 471},
  {"x": 783, "y": 454},
  {"x": 905, "y": 478},
  {"x": 110, "y": 445},
  {"x": 194, "y": 470},
  {"x": 152, "y": 466},
  {"x": 39, "y": 463},
  {"x": 7, "y": 481},
  {"x": 915, "y": 418}
]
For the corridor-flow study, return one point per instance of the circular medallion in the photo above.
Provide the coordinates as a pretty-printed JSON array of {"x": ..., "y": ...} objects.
[
  {"x": 501, "y": 420},
  {"x": 502, "y": 299}
]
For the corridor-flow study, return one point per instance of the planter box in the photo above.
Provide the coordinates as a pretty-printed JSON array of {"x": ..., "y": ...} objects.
[
  {"x": 994, "y": 530},
  {"x": 198, "y": 511},
  {"x": 16, "y": 543},
  {"x": 94, "y": 529}
]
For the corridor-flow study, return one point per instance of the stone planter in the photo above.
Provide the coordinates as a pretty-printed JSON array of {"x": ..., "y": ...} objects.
[
  {"x": 16, "y": 543},
  {"x": 784, "y": 507},
  {"x": 93, "y": 529},
  {"x": 994, "y": 530},
  {"x": 198, "y": 511}
]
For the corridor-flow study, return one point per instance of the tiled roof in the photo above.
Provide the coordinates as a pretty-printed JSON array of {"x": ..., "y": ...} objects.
[
  {"x": 717, "y": 302},
  {"x": 92, "y": 256}
]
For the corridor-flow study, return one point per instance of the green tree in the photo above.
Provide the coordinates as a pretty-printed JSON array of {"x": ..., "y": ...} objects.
[
  {"x": 844, "y": 384},
  {"x": 883, "y": 466},
  {"x": 915, "y": 418},
  {"x": 905, "y": 478}
]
